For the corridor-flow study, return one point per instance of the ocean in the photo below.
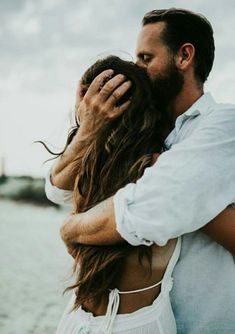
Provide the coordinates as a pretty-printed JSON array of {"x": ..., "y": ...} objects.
[{"x": 35, "y": 268}]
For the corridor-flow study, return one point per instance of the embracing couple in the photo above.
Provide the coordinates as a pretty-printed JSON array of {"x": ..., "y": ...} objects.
[{"x": 150, "y": 172}]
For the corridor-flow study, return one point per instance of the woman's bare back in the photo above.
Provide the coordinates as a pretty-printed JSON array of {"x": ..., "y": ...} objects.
[{"x": 137, "y": 276}]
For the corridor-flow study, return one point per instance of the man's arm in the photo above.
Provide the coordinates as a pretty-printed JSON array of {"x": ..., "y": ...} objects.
[
  {"x": 95, "y": 108},
  {"x": 95, "y": 227},
  {"x": 189, "y": 186},
  {"x": 98, "y": 227}
]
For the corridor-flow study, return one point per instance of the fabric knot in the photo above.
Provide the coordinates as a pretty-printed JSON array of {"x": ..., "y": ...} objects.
[{"x": 112, "y": 309}]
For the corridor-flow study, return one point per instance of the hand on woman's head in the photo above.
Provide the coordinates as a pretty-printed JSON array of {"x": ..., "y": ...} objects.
[
  {"x": 96, "y": 101},
  {"x": 80, "y": 92}
]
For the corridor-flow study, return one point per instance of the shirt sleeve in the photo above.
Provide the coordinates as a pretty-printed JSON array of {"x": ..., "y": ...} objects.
[
  {"x": 187, "y": 187},
  {"x": 56, "y": 195}
]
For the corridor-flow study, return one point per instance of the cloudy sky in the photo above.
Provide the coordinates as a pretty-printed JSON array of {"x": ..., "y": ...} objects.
[{"x": 47, "y": 44}]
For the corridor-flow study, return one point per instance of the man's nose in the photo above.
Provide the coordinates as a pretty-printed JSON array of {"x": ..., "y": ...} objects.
[{"x": 140, "y": 64}]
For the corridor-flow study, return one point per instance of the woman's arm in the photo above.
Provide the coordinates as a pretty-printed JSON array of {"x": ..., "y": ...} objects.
[{"x": 222, "y": 229}]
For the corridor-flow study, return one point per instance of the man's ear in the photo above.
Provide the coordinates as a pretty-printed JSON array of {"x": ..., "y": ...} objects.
[{"x": 185, "y": 56}]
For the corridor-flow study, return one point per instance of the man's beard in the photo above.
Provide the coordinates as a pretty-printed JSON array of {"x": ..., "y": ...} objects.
[{"x": 166, "y": 87}]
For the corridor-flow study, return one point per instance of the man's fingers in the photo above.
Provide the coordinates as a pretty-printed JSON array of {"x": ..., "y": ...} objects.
[
  {"x": 117, "y": 94},
  {"x": 114, "y": 87},
  {"x": 98, "y": 83},
  {"x": 111, "y": 86},
  {"x": 120, "y": 109},
  {"x": 101, "y": 98}
]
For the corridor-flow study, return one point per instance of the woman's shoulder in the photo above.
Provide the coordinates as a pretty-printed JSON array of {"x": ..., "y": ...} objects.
[
  {"x": 138, "y": 274},
  {"x": 161, "y": 255}
]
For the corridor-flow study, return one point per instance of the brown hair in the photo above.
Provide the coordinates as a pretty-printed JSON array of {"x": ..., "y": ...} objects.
[
  {"x": 117, "y": 155},
  {"x": 184, "y": 26}
]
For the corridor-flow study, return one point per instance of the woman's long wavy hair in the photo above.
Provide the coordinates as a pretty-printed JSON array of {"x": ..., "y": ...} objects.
[{"x": 117, "y": 154}]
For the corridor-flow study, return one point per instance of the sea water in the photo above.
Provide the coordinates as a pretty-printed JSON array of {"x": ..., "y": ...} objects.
[{"x": 34, "y": 266}]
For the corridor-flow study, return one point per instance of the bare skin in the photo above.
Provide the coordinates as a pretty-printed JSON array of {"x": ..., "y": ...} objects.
[
  {"x": 91, "y": 116},
  {"x": 98, "y": 105},
  {"x": 137, "y": 276},
  {"x": 222, "y": 229},
  {"x": 98, "y": 225},
  {"x": 153, "y": 55}
]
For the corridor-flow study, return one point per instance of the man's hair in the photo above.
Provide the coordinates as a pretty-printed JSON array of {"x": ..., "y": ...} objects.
[{"x": 183, "y": 26}]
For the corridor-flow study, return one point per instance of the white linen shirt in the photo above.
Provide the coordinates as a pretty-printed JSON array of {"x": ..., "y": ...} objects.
[
  {"x": 190, "y": 184},
  {"x": 202, "y": 161}
]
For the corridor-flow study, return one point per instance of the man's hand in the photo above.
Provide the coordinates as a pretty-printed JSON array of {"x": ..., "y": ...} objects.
[
  {"x": 99, "y": 103},
  {"x": 95, "y": 227}
]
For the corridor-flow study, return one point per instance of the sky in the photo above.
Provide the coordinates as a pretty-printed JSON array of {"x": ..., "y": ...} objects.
[{"x": 46, "y": 45}]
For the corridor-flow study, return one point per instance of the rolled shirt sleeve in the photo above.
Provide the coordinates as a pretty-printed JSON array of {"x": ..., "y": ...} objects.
[
  {"x": 188, "y": 186},
  {"x": 56, "y": 195}
]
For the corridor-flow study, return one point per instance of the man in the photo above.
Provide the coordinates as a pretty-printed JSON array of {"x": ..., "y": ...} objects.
[{"x": 190, "y": 184}]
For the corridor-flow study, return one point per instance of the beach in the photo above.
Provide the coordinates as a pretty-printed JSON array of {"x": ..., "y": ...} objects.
[{"x": 34, "y": 268}]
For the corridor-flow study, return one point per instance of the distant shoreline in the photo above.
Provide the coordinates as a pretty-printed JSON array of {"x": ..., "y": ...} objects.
[{"x": 24, "y": 189}]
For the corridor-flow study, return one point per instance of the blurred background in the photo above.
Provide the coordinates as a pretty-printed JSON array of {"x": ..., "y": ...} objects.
[{"x": 45, "y": 47}]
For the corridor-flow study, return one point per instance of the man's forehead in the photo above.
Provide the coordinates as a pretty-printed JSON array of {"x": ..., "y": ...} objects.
[
  {"x": 152, "y": 30},
  {"x": 149, "y": 38},
  {"x": 150, "y": 34}
]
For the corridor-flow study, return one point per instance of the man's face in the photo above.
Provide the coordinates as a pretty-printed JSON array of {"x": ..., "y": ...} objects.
[
  {"x": 153, "y": 55},
  {"x": 151, "y": 52}
]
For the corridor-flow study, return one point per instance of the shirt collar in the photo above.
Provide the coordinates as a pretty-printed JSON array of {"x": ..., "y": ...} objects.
[{"x": 199, "y": 107}]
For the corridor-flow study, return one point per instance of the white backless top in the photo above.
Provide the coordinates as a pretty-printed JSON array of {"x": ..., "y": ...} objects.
[{"x": 157, "y": 318}]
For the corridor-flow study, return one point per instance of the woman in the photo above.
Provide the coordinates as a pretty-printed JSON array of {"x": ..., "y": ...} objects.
[{"x": 132, "y": 281}]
